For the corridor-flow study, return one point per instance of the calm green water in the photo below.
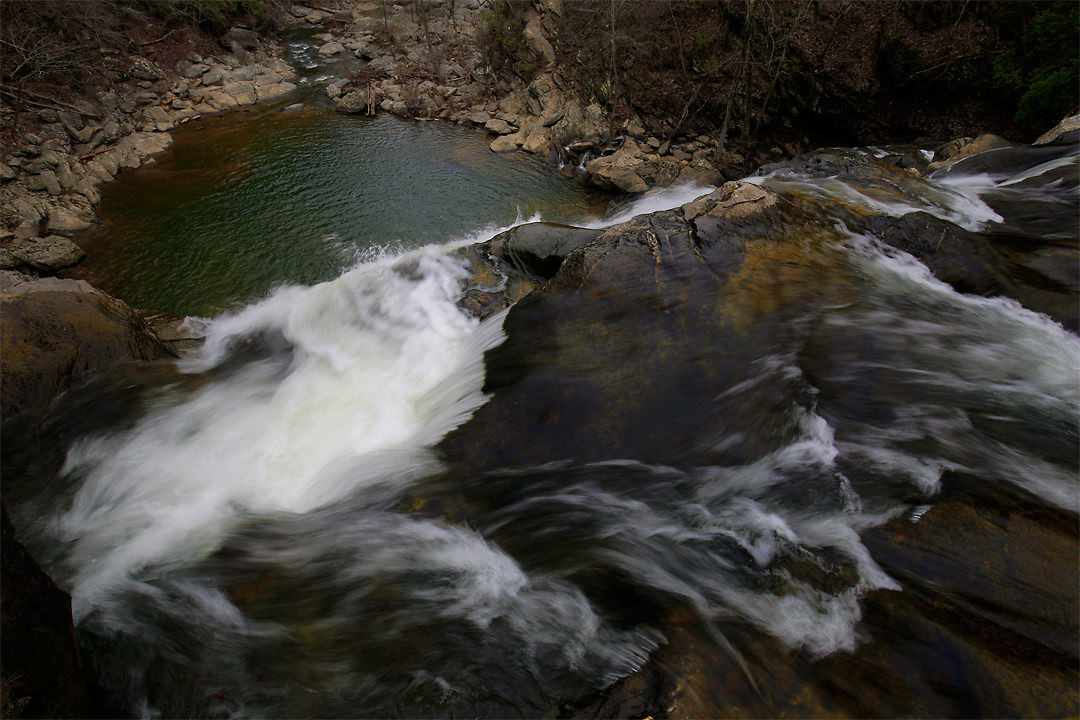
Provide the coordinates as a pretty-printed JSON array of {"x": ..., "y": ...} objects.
[{"x": 249, "y": 201}]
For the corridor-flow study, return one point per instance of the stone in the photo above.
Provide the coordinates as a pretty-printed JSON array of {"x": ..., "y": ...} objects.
[
  {"x": 49, "y": 254},
  {"x": 538, "y": 141},
  {"x": 1065, "y": 131},
  {"x": 246, "y": 38},
  {"x": 57, "y": 333},
  {"x": 46, "y": 180},
  {"x": 540, "y": 248},
  {"x": 534, "y": 34},
  {"x": 480, "y": 117},
  {"x": 331, "y": 49},
  {"x": 499, "y": 127},
  {"x": 506, "y": 143},
  {"x": 961, "y": 148},
  {"x": 353, "y": 103},
  {"x": 242, "y": 91},
  {"x": 268, "y": 92},
  {"x": 64, "y": 220}
]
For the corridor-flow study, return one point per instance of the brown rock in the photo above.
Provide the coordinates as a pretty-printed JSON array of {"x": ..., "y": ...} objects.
[{"x": 57, "y": 333}]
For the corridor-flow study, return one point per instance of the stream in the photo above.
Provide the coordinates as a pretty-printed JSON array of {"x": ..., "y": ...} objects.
[{"x": 833, "y": 485}]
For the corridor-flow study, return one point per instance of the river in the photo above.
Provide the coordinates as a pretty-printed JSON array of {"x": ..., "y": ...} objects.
[{"x": 833, "y": 486}]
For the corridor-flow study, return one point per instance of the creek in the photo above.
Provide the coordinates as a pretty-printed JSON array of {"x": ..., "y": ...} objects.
[{"x": 830, "y": 485}]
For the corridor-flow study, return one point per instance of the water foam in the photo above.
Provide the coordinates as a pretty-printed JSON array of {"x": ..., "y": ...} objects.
[{"x": 379, "y": 359}]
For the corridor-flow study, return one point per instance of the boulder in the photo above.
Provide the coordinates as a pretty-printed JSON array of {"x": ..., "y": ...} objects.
[
  {"x": 330, "y": 49},
  {"x": 507, "y": 143},
  {"x": 962, "y": 148},
  {"x": 65, "y": 220},
  {"x": 353, "y": 103},
  {"x": 57, "y": 333},
  {"x": 538, "y": 249},
  {"x": 45, "y": 673},
  {"x": 242, "y": 91},
  {"x": 618, "y": 171},
  {"x": 49, "y": 254},
  {"x": 1066, "y": 131},
  {"x": 538, "y": 141},
  {"x": 499, "y": 127},
  {"x": 246, "y": 38}
]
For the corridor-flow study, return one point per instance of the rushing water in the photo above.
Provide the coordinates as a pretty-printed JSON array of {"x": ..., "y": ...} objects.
[{"x": 276, "y": 530}]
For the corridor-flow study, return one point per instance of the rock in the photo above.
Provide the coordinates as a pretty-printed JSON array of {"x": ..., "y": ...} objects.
[
  {"x": 538, "y": 249},
  {"x": 506, "y": 143},
  {"x": 38, "y": 642},
  {"x": 554, "y": 118},
  {"x": 1066, "y": 131},
  {"x": 45, "y": 180},
  {"x": 483, "y": 304},
  {"x": 534, "y": 34},
  {"x": 64, "y": 220},
  {"x": 499, "y": 127},
  {"x": 962, "y": 148},
  {"x": 242, "y": 91},
  {"x": 618, "y": 170},
  {"x": 7, "y": 172},
  {"x": 57, "y": 333},
  {"x": 246, "y": 38},
  {"x": 194, "y": 70},
  {"x": 299, "y": 11},
  {"x": 49, "y": 254},
  {"x": 353, "y": 103},
  {"x": 480, "y": 117},
  {"x": 143, "y": 69},
  {"x": 330, "y": 49},
  {"x": 538, "y": 141},
  {"x": 64, "y": 175},
  {"x": 268, "y": 92},
  {"x": 71, "y": 121}
]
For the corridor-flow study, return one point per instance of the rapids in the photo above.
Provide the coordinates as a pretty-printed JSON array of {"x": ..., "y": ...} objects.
[{"x": 285, "y": 526}]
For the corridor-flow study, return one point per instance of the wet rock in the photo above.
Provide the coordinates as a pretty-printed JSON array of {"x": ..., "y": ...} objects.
[
  {"x": 538, "y": 249},
  {"x": 954, "y": 255},
  {"x": 45, "y": 672},
  {"x": 57, "y": 333},
  {"x": 482, "y": 304}
]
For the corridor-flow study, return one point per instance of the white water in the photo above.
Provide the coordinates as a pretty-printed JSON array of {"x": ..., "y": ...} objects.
[{"x": 353, "y": 381}]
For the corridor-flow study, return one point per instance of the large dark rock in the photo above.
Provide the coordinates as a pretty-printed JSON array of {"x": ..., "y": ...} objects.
[
  {"x": 539, "y": 249},
  {"x": 57, "y": 333},
  {"x": 599, "y": 360},
  {"x": 44, "y": 672}
]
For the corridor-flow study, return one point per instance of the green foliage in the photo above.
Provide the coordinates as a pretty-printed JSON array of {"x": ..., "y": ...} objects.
[{"x": 1042, "y": 70}]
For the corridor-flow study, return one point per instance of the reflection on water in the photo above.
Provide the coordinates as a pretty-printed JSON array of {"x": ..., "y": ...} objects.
[{"x": 237, "y": 207}]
